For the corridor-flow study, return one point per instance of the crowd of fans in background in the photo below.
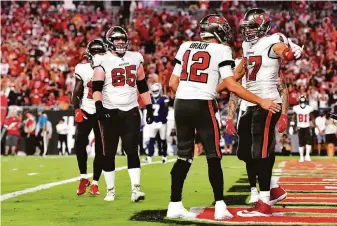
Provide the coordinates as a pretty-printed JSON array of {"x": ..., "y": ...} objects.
[{"x": 42, "y": 41}]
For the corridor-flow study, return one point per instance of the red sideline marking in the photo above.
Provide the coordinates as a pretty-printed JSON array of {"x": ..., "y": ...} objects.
[
  {"x": 306, "y": 180},
  {"x": 308, "y": 200},
  {"x": 215, "y": 128},
  {"x": 209, "y": 214},
  {"x": 312, "y": 187},
  {"x": 266, "y": 135},
  {"x": 313, "y": 195}
]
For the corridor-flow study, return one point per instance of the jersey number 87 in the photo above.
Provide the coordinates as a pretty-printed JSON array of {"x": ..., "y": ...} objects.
[{"x": 196, "y": 67}]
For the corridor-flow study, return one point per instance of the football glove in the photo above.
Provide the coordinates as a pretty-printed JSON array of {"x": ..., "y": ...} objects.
[
  {"x": 230, "y": 128},
  {"x": 296, "y": 49},
  {"x": 101, "y": 112},
  {"x": 79, "y": 115},
  {"x": 149, "y": 114},
  {"x": 282, "y": 123}
]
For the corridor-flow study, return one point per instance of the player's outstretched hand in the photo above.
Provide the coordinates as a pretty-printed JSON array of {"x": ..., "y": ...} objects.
[
  {"x": 230, "y": 128},
  {"x": 79, "y": 115},
  {"x": 296, "y": 49},
  {"x": 282, "y": 123},
  {"x": 270, "y": 105},
  {"x": 149, "y": 114}
]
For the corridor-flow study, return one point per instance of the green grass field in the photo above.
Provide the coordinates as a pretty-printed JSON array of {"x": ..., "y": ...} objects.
[{"x": 60, "y": 205}]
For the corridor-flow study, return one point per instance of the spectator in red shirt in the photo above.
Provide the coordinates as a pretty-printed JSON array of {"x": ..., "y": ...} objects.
[
  {"x": 293, "y": 95},
  {"x": 12, "y": 124}
]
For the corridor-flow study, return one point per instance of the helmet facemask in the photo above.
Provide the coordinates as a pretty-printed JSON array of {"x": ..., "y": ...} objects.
[
  {"x": 118, "y": 40},
  {"x": 255, "y": 27},
  {"x": 303, "y": 102}
]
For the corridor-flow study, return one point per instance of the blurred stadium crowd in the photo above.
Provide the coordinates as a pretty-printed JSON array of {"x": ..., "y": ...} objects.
[{"x": 42, "y": 41}]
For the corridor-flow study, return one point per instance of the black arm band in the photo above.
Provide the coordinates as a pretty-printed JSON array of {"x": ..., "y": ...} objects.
[
  {"x": 227, "y": 63},
  {"x": 97, "y": 86},
  {"x": 142, "y": 86}
]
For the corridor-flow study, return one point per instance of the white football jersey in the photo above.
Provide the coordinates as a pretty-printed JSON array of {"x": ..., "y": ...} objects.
[
  {"x": 85, "y": 73},
  {"x": 303, "y": 115},
  {"x": 201, "y": 66},
  {"x": 262, "y": 67},
  {"x": 120, "y": 88}
]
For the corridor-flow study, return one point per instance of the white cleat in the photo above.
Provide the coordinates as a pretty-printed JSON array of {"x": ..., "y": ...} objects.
[
  {"x": 177, "y": 210},
  {"x": 137, "y": 195},
  {"x": 147, "y": 160},
  {"x": 221, "y": 211},
  {"x": 301, "y": 159},
  {"x": 307, "y": 158},
  {"x": 110, "y": 195}
]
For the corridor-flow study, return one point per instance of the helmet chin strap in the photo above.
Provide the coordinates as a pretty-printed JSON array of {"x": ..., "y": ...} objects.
[{"x": 302, "y": 105}]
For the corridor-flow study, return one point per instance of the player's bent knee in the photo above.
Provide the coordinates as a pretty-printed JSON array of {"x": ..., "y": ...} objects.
[{"x": 133, "y": 161}]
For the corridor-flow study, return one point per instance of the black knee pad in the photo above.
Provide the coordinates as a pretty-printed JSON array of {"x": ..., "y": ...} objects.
[{"x": 133, "y": 161}]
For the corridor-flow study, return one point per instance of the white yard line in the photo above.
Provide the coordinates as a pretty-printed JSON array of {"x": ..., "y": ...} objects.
[{"x": 53, "y": 184}]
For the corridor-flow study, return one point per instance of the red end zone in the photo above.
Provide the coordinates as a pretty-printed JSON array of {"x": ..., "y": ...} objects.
[{"x": 280, "y": 216}]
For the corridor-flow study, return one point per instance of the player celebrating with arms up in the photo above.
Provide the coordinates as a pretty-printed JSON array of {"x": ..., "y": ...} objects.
[
  {"x": 199, "y": 68},
  {"x": 85, "y": 116},
  {"x": 117, "y": 76},
  {"x": 261, "y": 63}
]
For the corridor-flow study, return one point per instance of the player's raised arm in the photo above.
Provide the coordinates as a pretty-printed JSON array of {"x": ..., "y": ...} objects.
[
  {"x": 282, "y": 50},
  {"x": 282, "y": 123},
  {"x": 239, "y": 70},
  {"x": 144, "y": 93}
]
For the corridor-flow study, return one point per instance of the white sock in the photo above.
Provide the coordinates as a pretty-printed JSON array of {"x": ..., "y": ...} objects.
[
  {"x": 308, "y": 149},
  {"x": 273, "y": 182},
  {"x": 301, "y": 151},
  {"x": 109, "y": 179},
  {"x": 95, "y": 182},
  {"x": 84, "y": 176},
  {"x": 254, "y": 191},
  {"x": 265, "y": 197},
  {"x": 134, "y": 177}
]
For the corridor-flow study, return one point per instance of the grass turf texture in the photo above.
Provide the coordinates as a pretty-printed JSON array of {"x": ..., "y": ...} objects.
[{"x": 61, "y": 206}]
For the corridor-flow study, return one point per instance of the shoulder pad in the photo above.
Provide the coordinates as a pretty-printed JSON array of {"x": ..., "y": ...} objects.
[{"x": 80, "y": 70}]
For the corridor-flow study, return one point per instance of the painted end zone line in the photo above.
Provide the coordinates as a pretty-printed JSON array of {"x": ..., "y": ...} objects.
[{"x": 53, "y": 184}]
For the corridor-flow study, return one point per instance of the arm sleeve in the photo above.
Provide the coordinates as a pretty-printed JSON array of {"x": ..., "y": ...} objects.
[
  {"x": 226, "y": 62},
  {"x": 274, "y": 39}
]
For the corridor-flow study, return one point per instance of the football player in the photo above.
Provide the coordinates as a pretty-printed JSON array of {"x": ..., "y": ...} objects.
[
  {"x": 199, "y": 67},
  {"x": 85, "y": 116},
  {"x": 262, "y": 55},
  {"x": 160, "y": 111},
  {"x": 276, "y": 192},
  {"x": 303, "y": 114},
  {"x": 118, "y": 75}
]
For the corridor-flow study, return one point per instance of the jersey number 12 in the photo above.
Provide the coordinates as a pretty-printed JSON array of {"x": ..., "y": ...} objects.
[{"x": 201, "y": 61}]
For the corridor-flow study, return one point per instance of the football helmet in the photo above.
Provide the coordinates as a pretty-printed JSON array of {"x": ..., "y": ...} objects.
[
  {"x": 96, "y": 46},
  {"x": 156, "y": 90},
  {"x": 303, "y": 101},
  {"x": 255, "y": 24},
  {"x": 117, "y": 39},
  {"x": 214, "y": 25}
]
